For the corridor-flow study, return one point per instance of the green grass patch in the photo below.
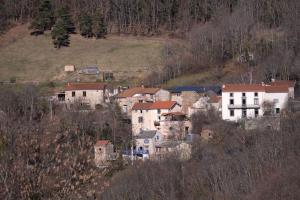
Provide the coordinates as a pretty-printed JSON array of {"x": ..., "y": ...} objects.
[{"x": 31, "y": 58}]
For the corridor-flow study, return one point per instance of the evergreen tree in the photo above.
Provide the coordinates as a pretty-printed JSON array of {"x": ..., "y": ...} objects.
[
  {"x": 86, "y": 25},
  {"x": 64, "y": 14},
  {"x": 99, "y": 26},
  {"x": 60, "y": 34},
  {"x": 44, "y": 18}
]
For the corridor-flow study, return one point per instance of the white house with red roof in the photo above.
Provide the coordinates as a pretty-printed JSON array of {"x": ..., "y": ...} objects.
[
  {"x": 91, "y": 94},
  {"x": 129, "y": 97},
  {"x": 146, "y": 116},
  {"x": 253, "y": 100}
]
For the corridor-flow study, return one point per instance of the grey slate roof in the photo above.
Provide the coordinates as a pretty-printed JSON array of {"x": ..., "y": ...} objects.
[{"x": 146, "y": 134}]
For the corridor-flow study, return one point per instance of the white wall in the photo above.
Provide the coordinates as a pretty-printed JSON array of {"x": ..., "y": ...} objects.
[
  {"x": 281, "y": 97},
  {"x": 262, "y": 97},
  {"x": 237, "y": 97}
]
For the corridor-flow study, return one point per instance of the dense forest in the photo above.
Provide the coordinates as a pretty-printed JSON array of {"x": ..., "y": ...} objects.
[{"x": 145, "y": 17}]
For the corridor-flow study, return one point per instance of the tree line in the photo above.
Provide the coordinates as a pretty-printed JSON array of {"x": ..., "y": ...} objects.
[
  {"x": 143, "y": 17},
  {"x": 261, "y": 38},
  {"x": 61, "y": 24}
]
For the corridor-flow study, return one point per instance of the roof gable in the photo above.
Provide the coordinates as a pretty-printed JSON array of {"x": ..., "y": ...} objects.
[
  {"x": 102, "y": 142},
  {"x": 155, "y": 105},
  {"x": 137, "y": 90}
]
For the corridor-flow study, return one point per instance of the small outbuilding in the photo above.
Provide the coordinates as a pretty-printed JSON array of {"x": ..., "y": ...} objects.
[
  {"x": 104, "y": 152},
  {"x": 69, "y": 68},
  {"x": 90, "y": 70}
]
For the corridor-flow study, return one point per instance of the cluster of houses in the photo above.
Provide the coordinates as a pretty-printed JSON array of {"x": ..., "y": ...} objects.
[{"x": 160, "y": 118}]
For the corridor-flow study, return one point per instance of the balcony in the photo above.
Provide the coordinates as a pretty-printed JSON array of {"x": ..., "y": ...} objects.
[{"x": 243, "y": 106}]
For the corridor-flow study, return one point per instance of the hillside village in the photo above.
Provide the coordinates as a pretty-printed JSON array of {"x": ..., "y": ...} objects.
[
  {"x": 150, "y": 100},
  {"x": 160, "y": 119}
]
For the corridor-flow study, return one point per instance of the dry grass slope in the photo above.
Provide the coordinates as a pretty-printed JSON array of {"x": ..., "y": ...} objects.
[{"x": 31, "y": 58}]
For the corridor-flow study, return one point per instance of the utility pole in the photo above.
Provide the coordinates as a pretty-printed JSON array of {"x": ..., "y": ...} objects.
[
  {"x": 51, "y": 110},
  {"x": 131, "y": 148}
]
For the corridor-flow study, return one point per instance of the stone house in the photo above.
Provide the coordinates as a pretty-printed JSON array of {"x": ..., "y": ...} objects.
[
  {"x": 145, "y": 143},
  {"x": 174, "y": 125},
  {"x": 104, "y": 152},
  {"x": 186, "y": 96},
  {"x": 127, "y": 98},
  {"x": 91, "y": 94},
  {"x": 146, "y": 116},
  {"x": 180, "y": 149}
]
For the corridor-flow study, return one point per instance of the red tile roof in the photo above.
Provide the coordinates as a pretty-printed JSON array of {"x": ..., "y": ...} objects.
[
  {"x": 141, "y": 106},
  {"x": 102, "y": 142},
  {"x": 243, "y": 88},
  {"x": 137, "y": 90},
  {"x": 277, "y": 89},
  {"x": 85, "y": 86},
  {"x": 255, "y": 88},
  {"x": 155, "y": 105},
  {"x": 283, "y": 82}
]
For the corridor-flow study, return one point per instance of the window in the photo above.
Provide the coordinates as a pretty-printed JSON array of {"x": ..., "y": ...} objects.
[
  {"x": 275, "y": 100},
  {"x": 255, "y": 94},
  {"x": 256, "y": 101},
  {"x": 73, "y": 94},
  {"x": 141, "y": 111},
  {"x": 231, "y": 113},
  {"x": 159, "y": 118},
  {"x": 186, "y": 130},
  {"x": 140, "y": 101},
  {"x": 231, "y": 101},
  {"x": 244, "y": 113},
  {"x": 244, "y": 94},
  {"x": 158, "y": 111},
  {"x": 178, "y": 94},
  {"x": 244, "y": 102},
  {"x": 231, "y": 94},
  {"x": 84, "y": 93},
  {"x": 277, "y": 110},
  {"x": 141, "y": 119},
  {"x": 256, "y": 112}
]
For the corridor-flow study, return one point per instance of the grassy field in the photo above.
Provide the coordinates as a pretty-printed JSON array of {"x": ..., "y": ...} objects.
[{"x": 30, "y": 58}]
